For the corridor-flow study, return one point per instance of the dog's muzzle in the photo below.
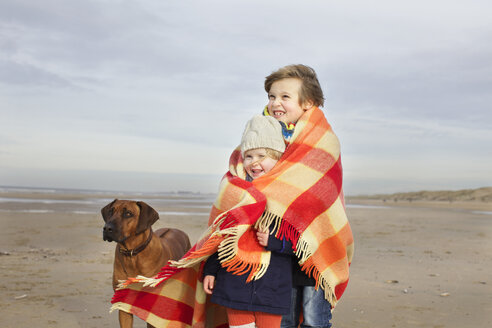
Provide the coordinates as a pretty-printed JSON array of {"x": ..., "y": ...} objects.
[{"x": 109, "y": 232}]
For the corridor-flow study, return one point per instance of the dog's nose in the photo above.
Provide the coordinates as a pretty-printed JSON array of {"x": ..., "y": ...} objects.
[
  {"x": 108, "y": 230},
  {"x": 108, "y": 227}
]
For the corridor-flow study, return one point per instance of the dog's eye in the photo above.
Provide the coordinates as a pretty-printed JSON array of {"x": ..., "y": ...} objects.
[{"x": 128, "y": 214}]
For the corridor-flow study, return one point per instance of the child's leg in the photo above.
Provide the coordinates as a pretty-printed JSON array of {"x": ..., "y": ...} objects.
[
  {"x": 316, "y": 309},
  {"x": 291, "y": 320},
  {"x": 240, "y": 319},
  {"x": 267, "y": 320},
  {"x": 247, "y": 319}
]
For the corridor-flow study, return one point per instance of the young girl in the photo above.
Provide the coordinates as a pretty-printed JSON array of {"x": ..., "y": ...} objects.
[{"x": 265, "y": 300}]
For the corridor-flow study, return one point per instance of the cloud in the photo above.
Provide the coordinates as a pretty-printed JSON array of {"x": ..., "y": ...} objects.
[
  {"x": 173, "y": 79},
  {"x": 12, "y": 73}
]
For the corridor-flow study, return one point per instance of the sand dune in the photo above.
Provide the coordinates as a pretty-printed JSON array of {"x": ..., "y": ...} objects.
[
  {"x": 473, "y": 199},
  {"x": 465, "y": 195}
]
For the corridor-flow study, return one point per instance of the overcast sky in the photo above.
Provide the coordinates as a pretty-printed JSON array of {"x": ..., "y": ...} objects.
[{"x": 153, "y": 95}]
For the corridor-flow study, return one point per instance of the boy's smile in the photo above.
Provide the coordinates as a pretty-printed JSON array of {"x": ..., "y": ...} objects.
[{"x": 283, "y": 102}]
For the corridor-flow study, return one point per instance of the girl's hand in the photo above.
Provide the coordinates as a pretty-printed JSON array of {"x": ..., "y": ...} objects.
[
  {"x": 208, "y": 284},
  {"x": 262, "y": 236}
]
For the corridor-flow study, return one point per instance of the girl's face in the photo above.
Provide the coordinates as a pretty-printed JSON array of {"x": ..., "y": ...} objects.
[
  {"x": 283, "y": 101},
  {"x": 257, "y": 163}
]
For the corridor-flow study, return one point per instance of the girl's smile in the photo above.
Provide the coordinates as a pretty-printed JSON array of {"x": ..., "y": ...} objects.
[{"x": 257, "y": 163}]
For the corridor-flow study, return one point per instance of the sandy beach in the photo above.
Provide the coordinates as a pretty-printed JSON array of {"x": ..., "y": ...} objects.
[{"x": 417, "y": 263}]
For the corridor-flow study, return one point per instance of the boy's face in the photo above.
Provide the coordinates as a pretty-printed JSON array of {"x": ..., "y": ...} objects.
[
  {"x": 283, "y": 101},
  {"x": 257, "y": 163}
]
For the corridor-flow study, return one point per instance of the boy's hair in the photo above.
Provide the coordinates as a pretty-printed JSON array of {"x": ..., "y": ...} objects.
[{"x": 310, "y": 88}]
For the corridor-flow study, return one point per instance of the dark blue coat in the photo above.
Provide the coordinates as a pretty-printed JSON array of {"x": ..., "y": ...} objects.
[{"x": 271, "y": 293}]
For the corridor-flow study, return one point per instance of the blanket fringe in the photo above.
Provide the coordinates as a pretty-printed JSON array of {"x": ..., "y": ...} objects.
[
  {"x": 266, "y": 220},
  {"x": 229, "y": 260},
  {"x": 239, "y": 267},
  {"x": 227, "y": 248},
  {"x": 224, "y": 225},
  {"x": 117, "y": 306},
  {"x": 205, "y": 251},
  {"x": 287, "y": 231},
  {"x": 303, "y": 252},
  {"x": 283, "y": 229},
  {"x": 224, "y": 221},
  {"x": 163, "y": 275},
  {"x": 329, "y": 291}
]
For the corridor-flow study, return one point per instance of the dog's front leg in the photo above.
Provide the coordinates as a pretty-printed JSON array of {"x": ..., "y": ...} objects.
[{"x": 126, "y": 319}]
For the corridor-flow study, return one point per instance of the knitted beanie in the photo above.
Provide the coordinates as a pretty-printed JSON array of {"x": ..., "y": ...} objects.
[{"x": 262, "y": 132}]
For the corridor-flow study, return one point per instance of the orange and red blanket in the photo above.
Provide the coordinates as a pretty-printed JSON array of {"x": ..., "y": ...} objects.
[{"x": 301, "y": 196}]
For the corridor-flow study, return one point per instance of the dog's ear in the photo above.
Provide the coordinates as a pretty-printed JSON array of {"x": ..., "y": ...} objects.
[
  {"x": 107, "y": 210},
  {"x": 148, "y": 216}
]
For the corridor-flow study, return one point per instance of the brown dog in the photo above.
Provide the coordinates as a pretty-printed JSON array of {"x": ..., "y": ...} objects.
[{"x": 139, "y": 251}]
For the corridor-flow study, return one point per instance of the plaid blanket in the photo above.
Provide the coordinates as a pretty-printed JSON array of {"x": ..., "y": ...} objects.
[{"x": 301, "y": 197}]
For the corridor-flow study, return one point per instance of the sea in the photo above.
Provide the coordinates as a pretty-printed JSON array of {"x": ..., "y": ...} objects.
[
  {"x": 75, "y": 201},
  {"x": 52, "y": 200}
]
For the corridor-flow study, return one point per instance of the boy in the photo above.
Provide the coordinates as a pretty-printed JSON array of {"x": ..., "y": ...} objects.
[
  {"x": 264, "y": 300},
  {"x": 293, "y": 90}
]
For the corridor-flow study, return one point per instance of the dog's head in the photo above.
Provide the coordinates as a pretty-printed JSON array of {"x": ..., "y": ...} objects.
[{"x": 126, "y": 218}]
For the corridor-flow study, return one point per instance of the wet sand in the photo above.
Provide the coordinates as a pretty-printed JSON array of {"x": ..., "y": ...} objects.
[{"x": 417, "y": 264}]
